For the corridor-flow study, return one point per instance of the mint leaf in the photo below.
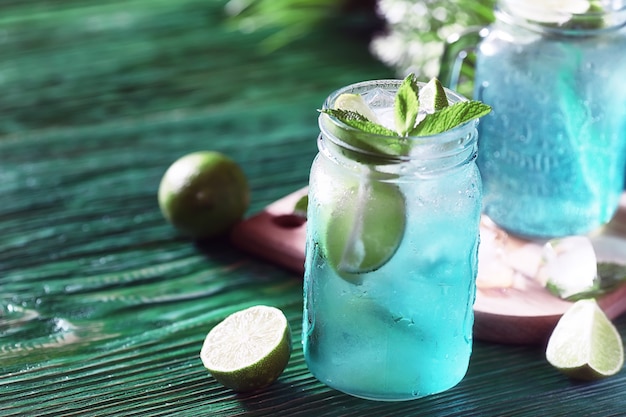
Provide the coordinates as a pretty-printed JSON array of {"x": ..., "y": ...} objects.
[
  {"x": 450, "y": 117},
  {"x": 406, "y": 105},
  {"x": 358, "y": 121}
]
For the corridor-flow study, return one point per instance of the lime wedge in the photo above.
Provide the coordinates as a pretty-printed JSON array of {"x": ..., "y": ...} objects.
[
  {"x": 432, "y": 97},
  {"x": 301, "y": 206},
  {"x": 355, "y": 103},
  {"x": 249, "y": 349},
  {"x": 585, "y": 344},
  {"x": 568, "y": 266},
  {"x": 364, "y": 228}
]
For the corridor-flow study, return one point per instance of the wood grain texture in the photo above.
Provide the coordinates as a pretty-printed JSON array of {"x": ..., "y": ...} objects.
[{"x": 103, "y": 306}]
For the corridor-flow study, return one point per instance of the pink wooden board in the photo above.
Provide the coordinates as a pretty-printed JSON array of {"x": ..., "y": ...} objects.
[{"x": 518, "y": 312}]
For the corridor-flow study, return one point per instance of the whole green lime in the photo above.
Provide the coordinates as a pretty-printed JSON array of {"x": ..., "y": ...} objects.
[{"x": 203, "y": 194}]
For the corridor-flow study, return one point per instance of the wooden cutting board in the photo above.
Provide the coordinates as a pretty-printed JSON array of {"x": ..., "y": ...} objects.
[{"x": 511, "y": 306}]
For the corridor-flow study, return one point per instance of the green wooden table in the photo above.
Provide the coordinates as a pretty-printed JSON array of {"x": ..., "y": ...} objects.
[{"x": 103, "y": 306}]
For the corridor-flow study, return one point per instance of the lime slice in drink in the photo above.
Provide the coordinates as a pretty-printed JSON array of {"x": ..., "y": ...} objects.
[
  {"x": 568, "y": 266},
  {"x": 355, "y": 103},
  {"x": 432, "y": 97},
  {"x": 364, "y": 228},
  {"x": 249, "y": 349},
  {"x": 585, "y": 344}
]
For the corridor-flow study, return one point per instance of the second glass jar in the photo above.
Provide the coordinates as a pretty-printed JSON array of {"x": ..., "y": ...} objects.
[{"x": 553, "y": 150}]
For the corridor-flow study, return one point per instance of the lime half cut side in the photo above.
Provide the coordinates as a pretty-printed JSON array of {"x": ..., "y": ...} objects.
[
  {"x": 249, "y": 349},
  {"x": 365, "y": 228},
  {"x": 585, "y": 344}
]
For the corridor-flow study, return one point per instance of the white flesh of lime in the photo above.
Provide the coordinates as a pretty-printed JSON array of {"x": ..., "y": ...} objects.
[{"x": 585, "y": 344}]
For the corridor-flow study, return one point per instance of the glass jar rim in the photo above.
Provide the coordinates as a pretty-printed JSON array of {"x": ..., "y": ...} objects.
[
  {"x": 396, "y": 148},
  {"x": 560, "y": 21}
]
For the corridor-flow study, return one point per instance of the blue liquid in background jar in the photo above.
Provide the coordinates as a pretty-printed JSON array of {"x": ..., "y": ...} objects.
[{"x": 552, "y": 153}]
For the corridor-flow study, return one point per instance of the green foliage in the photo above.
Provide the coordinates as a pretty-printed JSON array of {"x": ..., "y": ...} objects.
[
  {"x": 284, "y": 20},
  {"x": 414, "y": 35}
]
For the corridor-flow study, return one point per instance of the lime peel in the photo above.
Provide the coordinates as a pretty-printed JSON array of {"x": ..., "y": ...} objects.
[
  {"x": 249, "y": 349},
  {"x": 585, "y": 344}
]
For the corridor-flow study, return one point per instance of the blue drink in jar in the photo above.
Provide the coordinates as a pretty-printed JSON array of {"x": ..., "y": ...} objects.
[{"x": 391, "y": 258}]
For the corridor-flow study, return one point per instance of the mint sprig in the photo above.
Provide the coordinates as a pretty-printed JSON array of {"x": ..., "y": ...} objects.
[{"x": 406, "y": 112}]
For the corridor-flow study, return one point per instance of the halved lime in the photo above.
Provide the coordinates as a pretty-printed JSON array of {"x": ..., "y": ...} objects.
[
  {"x": 585, "y": 344},
  {"x": 249, "y": 349},
  {"x": 364, "y": 228}
]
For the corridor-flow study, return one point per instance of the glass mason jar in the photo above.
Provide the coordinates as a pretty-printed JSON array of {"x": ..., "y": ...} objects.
[
  {"x": 391, "y": 255},
  {"x": 553, "y": 150}
]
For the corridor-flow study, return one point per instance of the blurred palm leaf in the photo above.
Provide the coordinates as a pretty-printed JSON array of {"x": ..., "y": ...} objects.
[
  {"x": 411, "y": 38},
  {"x": 288, "y": 20}
]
